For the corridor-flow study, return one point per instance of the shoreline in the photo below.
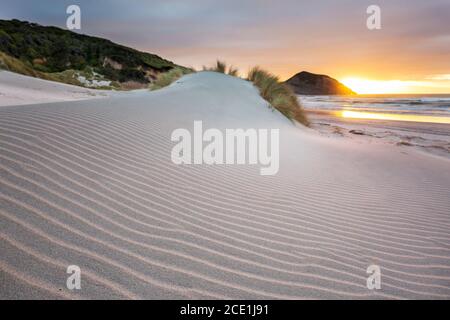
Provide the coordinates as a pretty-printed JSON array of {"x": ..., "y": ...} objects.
[{"x": 432, "y": 138}]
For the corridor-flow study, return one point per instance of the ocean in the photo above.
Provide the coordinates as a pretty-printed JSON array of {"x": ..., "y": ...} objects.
[{"x": 436, "y": 105}]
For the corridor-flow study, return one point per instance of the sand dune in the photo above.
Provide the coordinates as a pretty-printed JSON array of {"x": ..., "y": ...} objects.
[
  {"x": 16, "y": 89},
  {"x": 91, "y": 183}
]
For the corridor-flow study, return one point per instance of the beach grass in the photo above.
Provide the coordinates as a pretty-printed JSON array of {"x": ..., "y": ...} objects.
[
  {"x": 279, "y": 95},
  {"x": 166, "y": 78},
  {"x": 222, "y": 67}
]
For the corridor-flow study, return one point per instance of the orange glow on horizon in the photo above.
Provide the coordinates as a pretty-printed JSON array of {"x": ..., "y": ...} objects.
[
  {"x": 368, "y": 86},
  {"x": 365, "y": 86}
]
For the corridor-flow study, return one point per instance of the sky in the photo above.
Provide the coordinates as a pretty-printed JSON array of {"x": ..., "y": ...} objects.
[{"x": 409, "y": 54}]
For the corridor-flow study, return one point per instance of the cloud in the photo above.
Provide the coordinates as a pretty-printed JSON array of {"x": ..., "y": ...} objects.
[{"x": 287, "y": 36}]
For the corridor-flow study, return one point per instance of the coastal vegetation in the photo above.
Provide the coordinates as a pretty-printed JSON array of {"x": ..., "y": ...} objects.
[
  {"x": 222, "y": 67},
  {"x": 49, "y": 52},
  {"x": 278, "y": 94},
  {"x": 60, "y": 55},
  {"x": 166, "y": 78}
]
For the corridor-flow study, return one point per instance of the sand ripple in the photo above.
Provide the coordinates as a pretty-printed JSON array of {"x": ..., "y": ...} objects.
[{"x": 91, "y": 183}]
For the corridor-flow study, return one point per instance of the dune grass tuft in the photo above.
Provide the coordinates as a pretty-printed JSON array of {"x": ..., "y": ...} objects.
[
  {"x": 222, "y": 67},
  {"x": 278, "y": 94},
  {"x": 232, "y": 71},
  {"x": 167, "y": 78}
]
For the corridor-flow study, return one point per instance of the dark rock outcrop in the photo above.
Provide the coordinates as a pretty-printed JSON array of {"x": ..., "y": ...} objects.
[{"x": 316, "y": 84}]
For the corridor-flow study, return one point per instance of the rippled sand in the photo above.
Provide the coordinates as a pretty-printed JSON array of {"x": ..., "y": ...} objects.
[{"x": 91, "y": 183}]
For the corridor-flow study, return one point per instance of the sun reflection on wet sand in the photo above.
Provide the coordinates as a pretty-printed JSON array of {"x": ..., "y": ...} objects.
[{"x": 393, "y": 116}]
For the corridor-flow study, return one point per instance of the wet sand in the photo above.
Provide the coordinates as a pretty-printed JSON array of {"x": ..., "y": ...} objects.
[{"x": 432, "y": 138}]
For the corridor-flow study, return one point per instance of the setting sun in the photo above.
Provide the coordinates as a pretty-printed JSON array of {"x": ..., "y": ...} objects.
[{"x": 367, "y": 86}]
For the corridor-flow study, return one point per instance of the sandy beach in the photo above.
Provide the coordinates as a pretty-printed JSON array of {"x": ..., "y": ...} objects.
[
  {"x": 91, "y": 183},
  {"x": 433, "y": 138}
]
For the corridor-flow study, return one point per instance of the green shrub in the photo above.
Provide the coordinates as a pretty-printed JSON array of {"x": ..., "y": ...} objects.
[
  {"x": 15, "y": 65},
  {"x": 65, "y": 50},
  {"x": 68, "y": 76},
  {"x": 3, "y": 64}
]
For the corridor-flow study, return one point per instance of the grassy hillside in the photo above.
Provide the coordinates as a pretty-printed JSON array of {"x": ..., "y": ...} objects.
[{"x": 50, "y": 52}]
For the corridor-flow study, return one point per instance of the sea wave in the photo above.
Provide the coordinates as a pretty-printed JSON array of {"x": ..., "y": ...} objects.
[{"x": 434, "y": 105}]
